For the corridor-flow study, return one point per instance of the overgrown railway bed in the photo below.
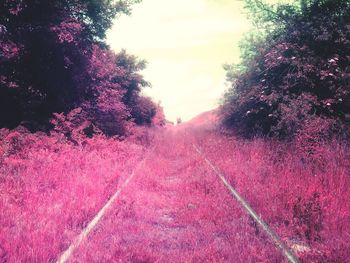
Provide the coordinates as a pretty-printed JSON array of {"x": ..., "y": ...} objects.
[{"x": 176, "y": 208}]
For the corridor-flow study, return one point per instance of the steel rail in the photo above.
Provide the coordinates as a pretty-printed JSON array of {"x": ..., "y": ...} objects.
[
  {"x": 277, "y": 240},
  {"x": 85, "y": 232}
]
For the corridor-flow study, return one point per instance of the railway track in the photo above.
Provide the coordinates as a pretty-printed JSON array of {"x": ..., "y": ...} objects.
[
  {"x": 288, "y": 253},
  {"x": 64, "y": 257},
  {"x": 249, "y": 210}
]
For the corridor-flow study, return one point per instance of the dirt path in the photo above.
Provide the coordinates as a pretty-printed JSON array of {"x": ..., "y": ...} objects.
[{"x": 175, "y": 210}]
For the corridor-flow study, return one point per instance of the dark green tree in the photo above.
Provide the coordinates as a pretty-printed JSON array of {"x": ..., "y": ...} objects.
[
  {"x": 46, "y": 55},
  {"x": 296, "y": 70}
]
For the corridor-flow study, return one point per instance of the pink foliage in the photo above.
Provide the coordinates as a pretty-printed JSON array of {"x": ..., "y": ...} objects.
[
  {"x": 301, "y": 190},
  {"x": 298, "y": 72},
  {"x": 68, "y": 31},
  {"x": 175, "y": 208},
  {"x": 15, "y": 6},
  {"x": 8, "y": 49},
  {"x": 72, "y": 127},
  {"x": 50, "y": 189},
  {"x": 103, "y": 66}
]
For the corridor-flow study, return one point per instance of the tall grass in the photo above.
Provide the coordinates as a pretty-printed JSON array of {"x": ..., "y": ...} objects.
[
  {"x": 50, "y": 189},
  {"x": 302, "y": 191}
]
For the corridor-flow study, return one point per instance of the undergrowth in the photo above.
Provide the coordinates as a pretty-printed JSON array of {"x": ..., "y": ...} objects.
[
  {"x": 300, "y": 188},
  {"x": 50, "y": 188}
]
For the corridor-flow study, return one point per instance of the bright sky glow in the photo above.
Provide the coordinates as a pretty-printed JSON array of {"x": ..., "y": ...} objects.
[{"x": 185, "y": 42}]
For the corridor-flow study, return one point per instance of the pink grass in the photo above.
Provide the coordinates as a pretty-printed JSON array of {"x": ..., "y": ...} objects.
[
  {"x": 50, "y": 190},
  {"x": 175, "y": 209},
  {"x": 304, "y": 197}
]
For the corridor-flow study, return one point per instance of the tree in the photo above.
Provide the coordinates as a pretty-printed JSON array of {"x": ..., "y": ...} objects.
[
  {"x": 143, "y": 110},
  {"x": 47, "y": 52},
  {"x": 298, "y": 72},
  {"x": 159, "y": 118}
]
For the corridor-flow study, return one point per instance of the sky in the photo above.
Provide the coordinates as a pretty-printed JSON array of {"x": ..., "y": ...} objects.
[{"x": 186, "y": 43}]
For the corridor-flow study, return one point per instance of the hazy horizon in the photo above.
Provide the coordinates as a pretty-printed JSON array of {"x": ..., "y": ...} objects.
[{"x": 185, "y": 49}]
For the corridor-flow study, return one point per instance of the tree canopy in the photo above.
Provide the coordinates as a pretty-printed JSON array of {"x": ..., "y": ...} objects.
[
  {"x": 295, "y": 70},
  {"x": 53, "y": 58}
]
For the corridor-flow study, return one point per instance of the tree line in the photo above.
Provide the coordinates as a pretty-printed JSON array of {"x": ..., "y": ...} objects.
[
  {"x": 54, "y": 59},
  {"x": 294, "y": 74}
]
